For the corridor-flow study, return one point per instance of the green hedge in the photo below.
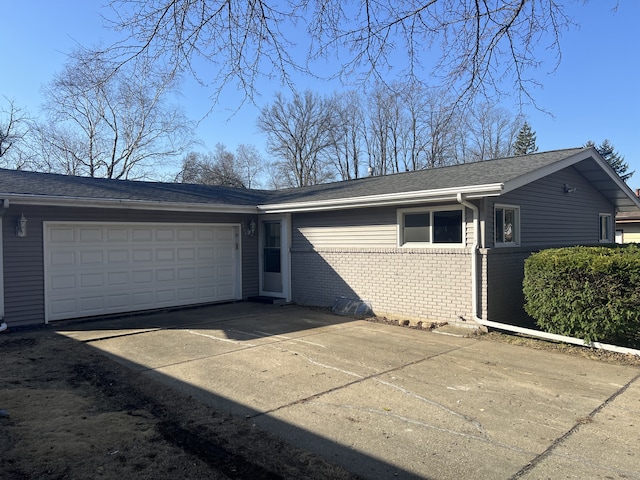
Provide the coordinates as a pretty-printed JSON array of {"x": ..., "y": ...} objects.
[{"x": 591, "y": 293}]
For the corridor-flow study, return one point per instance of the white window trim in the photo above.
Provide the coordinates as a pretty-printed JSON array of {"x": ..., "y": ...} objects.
[
  {"x": 611, "y": 228},
  {"x": 441, "y": 208},
  {"x": 517, "y": 229}
]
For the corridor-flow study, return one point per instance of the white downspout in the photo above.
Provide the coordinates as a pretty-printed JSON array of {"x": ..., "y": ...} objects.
[{"x": 513, "y": 328}]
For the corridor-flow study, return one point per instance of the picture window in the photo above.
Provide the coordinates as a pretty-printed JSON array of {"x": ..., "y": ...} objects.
[{"x": 430, "y": 227}]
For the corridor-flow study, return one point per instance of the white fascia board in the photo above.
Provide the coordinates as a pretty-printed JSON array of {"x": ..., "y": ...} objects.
[
  {"x": 403, "y": 198},
  {"x": 44, "y": 200}
]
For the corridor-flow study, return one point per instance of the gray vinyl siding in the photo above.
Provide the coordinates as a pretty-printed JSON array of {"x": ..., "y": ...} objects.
[
  {"x": 24, "y": 257},
  {"x": 549, "y": 216}
]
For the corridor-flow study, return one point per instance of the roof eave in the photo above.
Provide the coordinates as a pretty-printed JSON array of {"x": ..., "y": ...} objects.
[
  {"x": 61, "y": 201},
  {"x": 622, "y": 197},
  {"x": 404, "y": 198}
]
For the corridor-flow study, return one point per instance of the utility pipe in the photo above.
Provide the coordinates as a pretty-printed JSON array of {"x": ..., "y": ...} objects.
[{"x": 513, "y": 328}]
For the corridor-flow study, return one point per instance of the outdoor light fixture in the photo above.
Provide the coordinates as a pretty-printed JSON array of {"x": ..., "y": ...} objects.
[
  {"x": 568, "y": 189},
  {"x": 21, "y": 229},
  {"x": 250, "y": 230}
]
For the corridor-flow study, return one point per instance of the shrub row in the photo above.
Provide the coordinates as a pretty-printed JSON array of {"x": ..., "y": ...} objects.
[{"x": 592, "y": 293}]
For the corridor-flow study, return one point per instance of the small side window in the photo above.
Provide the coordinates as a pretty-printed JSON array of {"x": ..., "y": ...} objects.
[
  {"x": 606, "y": 228},
  {"x": 507, "y": 225}
]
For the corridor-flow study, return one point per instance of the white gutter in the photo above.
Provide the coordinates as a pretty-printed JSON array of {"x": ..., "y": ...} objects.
[
  {"x": 66, "y": 201},
  {"x": 403, "y": 198},
  {"x": 512, "y": 328}
]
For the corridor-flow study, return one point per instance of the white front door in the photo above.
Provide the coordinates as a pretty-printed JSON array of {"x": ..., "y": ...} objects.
[{"x": 274, "y": 257}]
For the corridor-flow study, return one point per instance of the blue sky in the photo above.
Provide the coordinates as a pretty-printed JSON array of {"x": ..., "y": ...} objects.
[{"x": 594, "y": 94}]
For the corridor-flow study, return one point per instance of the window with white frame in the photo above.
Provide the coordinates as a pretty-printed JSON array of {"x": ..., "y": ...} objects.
[
  {"x": 606, "y": 228},
  {"x": 507, "y": 225},
  {"x": 432, "y": 226}
]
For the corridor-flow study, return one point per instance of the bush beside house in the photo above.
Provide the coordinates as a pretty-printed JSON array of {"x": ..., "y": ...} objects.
[{"x": 591, "y": 293}]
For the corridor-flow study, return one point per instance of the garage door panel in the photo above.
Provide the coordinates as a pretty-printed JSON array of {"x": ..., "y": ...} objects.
[
  {"x": 118, "y": 279},
  {"x": 206, "y": 253},
  {"x": 187, "y": 293},
  {"x": 117, "y": 235},
  {"x": 90, "y": 235},
  {"x": 117, "y": 301},
  {"x": 142, "y": 235},
  {"x": 143, "y": 299},
  {"x": 205, "y": 235},
  {"x": 63, "y": 282},
  {"x": 100, "y": 269},
  {"x": 185, "y": 254},
  {"x": 63, "y": 307},
  {"x": 143, "y": 255},
  {"x": 117, "y": 256},
  {"x": 62, "y": 258},
  {"x": 165, "y": 254},
  {"x": 91, "y": 257},
  {"x": 92, "y": 304},
  {"x": 186, "y": 234},
  {"x": 165, "y": 275},
  {"x": 88, "y": 280},
  {"x": 61, "y": 235},
  {"x": 142, "y": 276},
  {"x": 187, "y": 273}
]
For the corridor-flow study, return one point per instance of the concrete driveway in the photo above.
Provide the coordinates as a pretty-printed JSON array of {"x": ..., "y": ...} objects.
[{"x": 389, "y": 402}]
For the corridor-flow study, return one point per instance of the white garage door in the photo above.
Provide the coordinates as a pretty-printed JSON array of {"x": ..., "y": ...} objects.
[{"x": 96, "y": 269}]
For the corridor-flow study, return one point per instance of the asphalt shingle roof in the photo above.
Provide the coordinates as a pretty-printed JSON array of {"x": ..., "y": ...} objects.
[
  {"x": 54, "y": 185},
  {"x": 469, "y": 174}
]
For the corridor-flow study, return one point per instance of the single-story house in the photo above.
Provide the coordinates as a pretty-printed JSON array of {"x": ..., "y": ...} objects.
[{"x": 442, "y": 244}]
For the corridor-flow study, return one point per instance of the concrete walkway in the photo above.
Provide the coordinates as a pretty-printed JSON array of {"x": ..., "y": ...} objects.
[{"x": 389, "y": 402}]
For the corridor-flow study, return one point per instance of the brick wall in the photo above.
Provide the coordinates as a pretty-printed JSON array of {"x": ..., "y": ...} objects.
[{"x": 425, "y": 284}]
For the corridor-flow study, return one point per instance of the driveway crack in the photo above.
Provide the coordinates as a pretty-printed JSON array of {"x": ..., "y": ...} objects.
[
  {"x": 375, "y": 377},
  {"x": 560, "y": 440}
]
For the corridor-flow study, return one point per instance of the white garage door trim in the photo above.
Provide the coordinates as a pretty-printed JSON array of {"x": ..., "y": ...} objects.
[{"x": 93, "y": 268}]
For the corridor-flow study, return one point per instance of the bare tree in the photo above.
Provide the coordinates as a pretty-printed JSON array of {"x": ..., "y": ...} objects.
[
  {"x": 440, "y": 126},
  {"x": 216, "y": 168},
  {"x": 113, "y": 125},
  {"x": 14, "y": 127},
  {"x": 249, "y": 164},
  {"x": 299, "y": 133},
  {"x": 491, "y": 132},
  {"x": 377, "y": 130},
  {"x": 478, "y": 47},
  {"x": 345, "y": 151}
]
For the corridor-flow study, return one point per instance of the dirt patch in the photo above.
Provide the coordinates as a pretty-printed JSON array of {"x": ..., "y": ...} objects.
[
  {"x": 73, "y": 413},
  {"x": 575, "y": 350}
]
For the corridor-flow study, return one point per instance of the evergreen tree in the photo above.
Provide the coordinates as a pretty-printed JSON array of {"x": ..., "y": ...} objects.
[
  {"x": 525, "y": 141},
  {"x": 613, "y": 158}
]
